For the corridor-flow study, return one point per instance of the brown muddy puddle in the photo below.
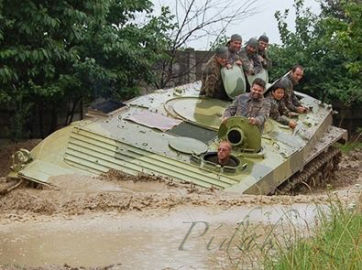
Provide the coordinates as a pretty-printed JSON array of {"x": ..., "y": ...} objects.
[{"x": 181, "y": 238}]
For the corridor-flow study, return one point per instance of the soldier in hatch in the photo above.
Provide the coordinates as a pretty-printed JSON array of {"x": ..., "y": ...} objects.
[
  {"x": 278, "y": 110},
  {"x": 223, "y": 156},
  {"x": 212, "y": 84}
]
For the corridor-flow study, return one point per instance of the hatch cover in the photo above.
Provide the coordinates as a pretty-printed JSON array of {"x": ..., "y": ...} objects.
[
  {"x": 205, "y": 112},
  {"x": 187, "y": 145}
]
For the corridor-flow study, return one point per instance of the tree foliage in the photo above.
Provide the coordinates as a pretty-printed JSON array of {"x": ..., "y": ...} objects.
[
  {"x": 329, "y": 46},
  {"x": 55, "y": 53}
]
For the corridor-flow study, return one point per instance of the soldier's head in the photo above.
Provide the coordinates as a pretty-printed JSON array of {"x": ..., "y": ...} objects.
[
  {"x": 252, "y": 45},
  {"x": 257, "y": 88},
  {"x": 221, "y": 54},
  {"x": 235, "y": 43},
  {"x": 223, "y": 152},
  {"x": 277, "y": 91},
  {"x": 263, "y": 42},
  {"x": 297, "y": 73}
]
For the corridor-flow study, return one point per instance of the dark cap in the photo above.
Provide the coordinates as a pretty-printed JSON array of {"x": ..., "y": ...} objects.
[
  {"x": 253, "y": 43},
  {"x": 236, "y": 37},
  {"x": 264, "y": 38},
  {"x": 222, "y": 52}
]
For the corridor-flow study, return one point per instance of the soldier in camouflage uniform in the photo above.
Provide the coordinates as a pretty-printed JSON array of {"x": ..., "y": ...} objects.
[
  {"x": 251, "y": 105},
  {"x": 212, "y": 84},
  {"x": 289, "y": 81},
  {"x": 262, "y": 52},
  {"x": 278, "y": 110},
  {"x": 234, "y": 45},
  {"x": 249, "y": 57}
]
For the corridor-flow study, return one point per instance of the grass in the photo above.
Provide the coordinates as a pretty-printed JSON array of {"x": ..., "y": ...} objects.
[
  {"x": 337, "y": 244},
  {"x": 349, "y": 146},
  {"x": 354, "y": 144}
]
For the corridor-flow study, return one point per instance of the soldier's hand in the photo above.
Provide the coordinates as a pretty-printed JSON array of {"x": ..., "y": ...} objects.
[
  {"x": 238, "y": 62},
  {"x": 253, "y": 121},
  {"x": 292, "y": 124},
  {"x": 223, "y": 120},
  {"x": 301, "y": 109},
  {"x": 228, "y": 66}
]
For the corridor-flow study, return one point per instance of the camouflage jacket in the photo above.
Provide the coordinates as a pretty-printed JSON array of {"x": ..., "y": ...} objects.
[
  {"x": 212, "y": 84},
  {"x": 291, "y": 100},
  {"x": 245, "y": 105},
  {"x": 251, "y": 63},
  {"x": 266, "y": 62},
  {"x": 233, "y": 57},
  {"x": 278, "y": 111}
]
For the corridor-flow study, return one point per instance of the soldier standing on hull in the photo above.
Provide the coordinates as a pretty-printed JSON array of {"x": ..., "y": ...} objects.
[
  {"x": 262, "y": 52},
  {"x": 278, "y": 110},
  {"x": 234, "y": 46},
  {"x": 212, "y": 84},
  {"x": 292, "y": 79},
  {"x": 249, "y": 57},
  {"x": 251, "y": 105}
]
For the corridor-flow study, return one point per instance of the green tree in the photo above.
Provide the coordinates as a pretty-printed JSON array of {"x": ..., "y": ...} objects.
[
  {"x": 55, "y": 53},
  {"x": 328, "y": 46}
]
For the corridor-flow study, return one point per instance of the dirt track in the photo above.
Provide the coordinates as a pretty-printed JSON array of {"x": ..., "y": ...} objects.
[{"x": 124, "y": 196}]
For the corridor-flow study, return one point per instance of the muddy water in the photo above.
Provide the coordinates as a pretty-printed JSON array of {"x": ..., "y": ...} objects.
[{"x": 181, "y": 238}]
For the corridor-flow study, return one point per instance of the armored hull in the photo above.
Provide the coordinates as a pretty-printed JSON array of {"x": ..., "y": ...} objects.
[{"x": 168, "y": 133}]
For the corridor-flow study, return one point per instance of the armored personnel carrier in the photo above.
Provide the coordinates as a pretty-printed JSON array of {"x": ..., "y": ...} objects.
[{"x": 172, "y": 133}]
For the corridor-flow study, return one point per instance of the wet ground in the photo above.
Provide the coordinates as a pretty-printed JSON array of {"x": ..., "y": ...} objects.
[
  {"x": 121, "y": 222},
  {"x": 181, "y": 238}
]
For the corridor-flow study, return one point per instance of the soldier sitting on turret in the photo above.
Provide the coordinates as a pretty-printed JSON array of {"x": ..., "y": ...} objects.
[
  {"x": 289, "y": 81},
  {"x": 234, "y": 45},
  {"x": 263, "y": 52},
  {"x": 278, "y": 110},
  {"x": 251, "y": 105},
  {"x": 212, "y": 84},
  {"x": 249, "y": 57}
]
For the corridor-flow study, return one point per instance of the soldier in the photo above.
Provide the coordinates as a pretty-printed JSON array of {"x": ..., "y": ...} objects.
[
  {"x": 234, "y": 46},
  {"x": 278, "y": 110},
  {"x": 251, "y": 105},
  {"x": 223, "y": 156},
  {"x": 249, "y": 57},
  {"x": 289, "y": 81},
  {"x": 262, "y": 52},
  {"x": 212, "y": 84}
]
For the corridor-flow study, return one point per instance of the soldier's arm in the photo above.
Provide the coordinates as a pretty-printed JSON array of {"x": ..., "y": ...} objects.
[
  {"x": 210, "y": 84},
  {"x": 275, "y": 114},
  {"x": 231, "y": 110},
  {"x": 283, "y": 109},
  {"x": 246, "y": 64},
  {"x": 282, "y": 119},
  {"x": 288, "y": 103},
  {"x": 263, "y": 113},
  {"x": 257, "y": 64},
  {"x": 295, "y": 100}
]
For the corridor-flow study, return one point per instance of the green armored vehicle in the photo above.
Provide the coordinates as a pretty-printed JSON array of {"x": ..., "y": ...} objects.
[{"x": 171, "y": 133}]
